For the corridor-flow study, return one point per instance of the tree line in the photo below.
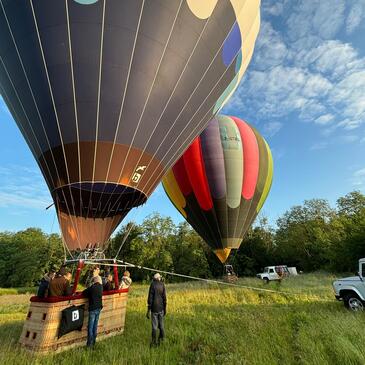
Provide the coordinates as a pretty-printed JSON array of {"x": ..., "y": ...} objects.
[{"x": 312, "y": 236}]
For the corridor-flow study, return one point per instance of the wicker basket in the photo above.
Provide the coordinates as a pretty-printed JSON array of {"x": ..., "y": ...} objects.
[{"x": 44, "y": 317}]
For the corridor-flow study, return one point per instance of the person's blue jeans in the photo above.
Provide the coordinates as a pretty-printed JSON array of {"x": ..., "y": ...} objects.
[
  {"x": 92, "y": 328},
  {"x": 157, "y": 323}
]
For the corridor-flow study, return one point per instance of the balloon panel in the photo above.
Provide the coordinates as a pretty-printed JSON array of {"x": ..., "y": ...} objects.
[
  {"x": 221, "y": 182},
  {"x": 109, "y": 93}
]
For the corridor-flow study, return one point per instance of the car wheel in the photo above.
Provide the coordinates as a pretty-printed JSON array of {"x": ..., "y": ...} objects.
[
  {"x": 353, "y": 302},
  {"x": 266, "y": 280}
]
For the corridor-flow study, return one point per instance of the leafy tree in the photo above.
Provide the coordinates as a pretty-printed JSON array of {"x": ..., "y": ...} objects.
[
  {"x": 303, "y": 235},
  {"x": 311, "y": 236},
  {"x": 149, "y": 245},
  {"x": 351, "y": 205},
  {"x": 188, "y": 253},
  {"x": 29, "y": 254},
  {"x": 349, "y": 244},
  {"x": 257, "y": 250}
]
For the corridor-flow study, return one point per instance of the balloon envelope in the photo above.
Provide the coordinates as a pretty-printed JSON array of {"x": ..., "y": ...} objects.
[
  {"x": 108, "y": 93},
  {"x": 221, "y": 182}
]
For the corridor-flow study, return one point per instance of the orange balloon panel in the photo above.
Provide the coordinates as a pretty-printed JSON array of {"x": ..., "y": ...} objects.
[{"x": 88, "y": 233}]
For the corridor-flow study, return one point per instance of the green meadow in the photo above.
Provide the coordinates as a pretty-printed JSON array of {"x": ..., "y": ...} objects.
[{"x": 215, "y": 324}]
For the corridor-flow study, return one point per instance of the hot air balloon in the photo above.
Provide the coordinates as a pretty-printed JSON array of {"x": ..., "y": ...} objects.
[
  {"x": 108, "y": 94},
  {"x": 221, "y": 182}
]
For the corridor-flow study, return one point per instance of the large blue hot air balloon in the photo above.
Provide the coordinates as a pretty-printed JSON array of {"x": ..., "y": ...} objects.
[{"x": 109, "y": 93}]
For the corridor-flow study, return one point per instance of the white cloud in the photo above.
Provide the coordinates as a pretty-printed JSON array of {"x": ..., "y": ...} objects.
[
  {"x": 275, "y": 8},
  {"x": 349, "y": 124},
  {"x": 356, "y": 15},
  {"x": 272, "y": 128},
  {"x": 359, "y": 173},
  {"x": 350, "y": 138},
  {"x": 319, "y": 146},
  {"x": 280, "y": 91},
  {"x": 349, "y": 97},
  {"x": 278, "y": 153},
  {"x": 316, "y": 85},
  {"x": 321, "y": 18},
  {"x": 324, "y": 119},
  {"x": 358, "y": 178},
  {"x": 270, "y": 48},
  {"x": 297, "y": 68},
  {"x": 20, "y": 200},
  {"x": 333, "y": 58},
  {"x": 23, "y": 187},
  {"x": 338, "y": 140}
]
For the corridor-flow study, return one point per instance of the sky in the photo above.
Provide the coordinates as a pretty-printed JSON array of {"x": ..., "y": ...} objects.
[{"x": 304, "y": 90}]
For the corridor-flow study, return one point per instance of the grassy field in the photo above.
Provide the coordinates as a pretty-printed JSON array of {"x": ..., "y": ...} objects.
[{"x": 211, "y": 324}]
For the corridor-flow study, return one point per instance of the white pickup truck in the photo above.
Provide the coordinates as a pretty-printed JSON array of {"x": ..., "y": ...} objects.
[
  {"x": 351, "y": 290},
  {"x": 274, "y": 273}
]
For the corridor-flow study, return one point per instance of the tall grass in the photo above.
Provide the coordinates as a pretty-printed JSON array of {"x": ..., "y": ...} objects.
[
  {"x": 25, "y": 290},
  {"x": 213, "y": 324}
]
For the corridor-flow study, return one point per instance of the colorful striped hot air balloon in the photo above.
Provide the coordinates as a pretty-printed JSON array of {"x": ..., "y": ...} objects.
[
  {"x": 108, "y": 93},
  {"x": 221, "y": 182}
]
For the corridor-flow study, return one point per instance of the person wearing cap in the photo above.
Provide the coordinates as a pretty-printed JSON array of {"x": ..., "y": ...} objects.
[
  {"x": 60, "y": 285},
  {"x": 95, "y": 295},
  {"x": 157, "y": 308}
]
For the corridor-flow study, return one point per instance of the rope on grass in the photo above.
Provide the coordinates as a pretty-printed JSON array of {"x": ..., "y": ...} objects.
[{"x": 209, "y": 281}]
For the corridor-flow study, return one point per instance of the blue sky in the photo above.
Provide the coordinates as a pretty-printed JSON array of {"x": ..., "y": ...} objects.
[{"x": 304, "y": 91}]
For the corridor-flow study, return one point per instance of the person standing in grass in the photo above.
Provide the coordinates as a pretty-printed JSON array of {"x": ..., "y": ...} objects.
[
  {"x": 157, "y": 308},
  {"x": 95, "y": 295}
]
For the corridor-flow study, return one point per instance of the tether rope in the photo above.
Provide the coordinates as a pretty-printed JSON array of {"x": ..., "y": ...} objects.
[
  {"x": 121, "y": 263},
  {"x": 126, "y": 235}
]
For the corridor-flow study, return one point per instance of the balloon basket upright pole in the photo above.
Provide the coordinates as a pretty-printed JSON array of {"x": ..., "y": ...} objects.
[
  {"x": 42, "y": 324},
  {"x": 80, "y": 265}
]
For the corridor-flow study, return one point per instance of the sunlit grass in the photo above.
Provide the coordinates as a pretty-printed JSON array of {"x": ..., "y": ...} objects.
[{"x": 216, "y": 324}]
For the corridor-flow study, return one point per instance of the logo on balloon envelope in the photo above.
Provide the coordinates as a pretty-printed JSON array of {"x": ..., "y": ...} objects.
[{"x": 137, "y": 175}]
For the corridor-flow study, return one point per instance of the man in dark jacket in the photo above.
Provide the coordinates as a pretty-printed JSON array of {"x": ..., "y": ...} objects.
[
  {"x": 157, "y": 307},
  {"x": 95, "y": 295},
  {"x": 44, "y": 284},
  {"x": 60, "y": 285}
]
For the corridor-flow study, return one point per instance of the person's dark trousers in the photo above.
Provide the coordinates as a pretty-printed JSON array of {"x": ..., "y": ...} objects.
[
  {"x": 157, "y": 323},
  {"x": 92, "y": 328}
]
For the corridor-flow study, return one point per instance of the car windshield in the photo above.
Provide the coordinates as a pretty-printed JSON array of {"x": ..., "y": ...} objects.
[{"x": 266, "y": 269}]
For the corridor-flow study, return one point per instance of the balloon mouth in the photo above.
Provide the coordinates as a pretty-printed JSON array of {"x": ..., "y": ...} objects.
[
  {"x": 98, "y": 199},
  {"x": 222, "y": 254},
  {"x": 101, "y": 187}
]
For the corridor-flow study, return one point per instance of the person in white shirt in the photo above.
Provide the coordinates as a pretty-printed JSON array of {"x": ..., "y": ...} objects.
[{"x": 126, "y": 280}]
